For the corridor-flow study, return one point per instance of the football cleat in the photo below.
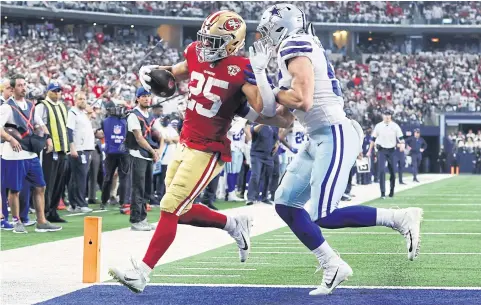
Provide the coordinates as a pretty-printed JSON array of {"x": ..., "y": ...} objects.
[
  {"x": 408, "y": 223},
  {"x": 232, "y": 196},
  {"x": 242, "y": 236},
  {"x": 134, "y": 279},
  {"x": 336, "y": 271}
]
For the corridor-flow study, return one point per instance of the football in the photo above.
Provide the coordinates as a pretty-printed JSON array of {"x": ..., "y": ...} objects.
[{"x": 162, "y": 84}]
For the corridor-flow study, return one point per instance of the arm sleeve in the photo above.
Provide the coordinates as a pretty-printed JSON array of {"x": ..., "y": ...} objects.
[
  {"x": 42, "y": 113},
  {"x": 247, "y": 112},
  {"x": 5, "y": 113},
  {"x": 399, "y": 133},
  {"x": 37, "y": 118},
  {"x": 70, "y": 135},
  {"x": 303, "y": 46},
  {"x": 71, "y": 116},
  {"x": 133, "y": 123}
]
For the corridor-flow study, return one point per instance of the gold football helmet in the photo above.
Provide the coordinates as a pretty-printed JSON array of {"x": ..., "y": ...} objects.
[{"x": 222, "y": 34}]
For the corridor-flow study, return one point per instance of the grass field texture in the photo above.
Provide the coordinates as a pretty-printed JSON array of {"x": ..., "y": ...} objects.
[{"x": 450, "y": 252}]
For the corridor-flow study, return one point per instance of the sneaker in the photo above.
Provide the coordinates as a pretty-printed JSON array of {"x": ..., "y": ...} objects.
[
  {"x": 31, "y": 211},
  {"x": 71, "y": 209},
  {"x": 242, "y": 236},
  {"x": 233, "y": 197},
  {"x": 140, "y": 226},
  {"x": 113, "y": 201},
  {"x": 47, "y": 227},
  {"x": 408, "y": 223},
  {"x": 267, "y": 201},
  {"x": 85, "y": 210},
  {"x": 145, "y": 222},
  {"x": 29, "y": 223},
  {"x": 249, "y": 202},
  {"x": 6, "y": 225},
  {"x": 125, "y": 209},
  {"x": 18, "y": 227},
  {"x": 135, "y": 279},
  {"x": 335, "y": 271}
]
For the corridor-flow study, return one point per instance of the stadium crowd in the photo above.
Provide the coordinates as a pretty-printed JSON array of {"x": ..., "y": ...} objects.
[{"x": 416, "y": 87}]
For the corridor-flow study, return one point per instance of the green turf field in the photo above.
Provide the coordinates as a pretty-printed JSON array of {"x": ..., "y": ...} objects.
[
  {"x": 377, "y": 255},
  {"x": 111, "y": 220}
]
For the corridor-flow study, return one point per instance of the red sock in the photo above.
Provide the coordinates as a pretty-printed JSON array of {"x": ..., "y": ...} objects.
[
  {"x": 201, "y": 216},
  {"x": 163, "y": 237}
]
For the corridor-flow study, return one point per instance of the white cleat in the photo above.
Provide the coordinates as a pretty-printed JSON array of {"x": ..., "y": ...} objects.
[
  {"x": 408, "y": 223},
  {"x": 242, "y": 236},
  {"x": 233, "y": 197},
  {"x": 134, "y": 279},
  {"x": 336, "y": 271}
]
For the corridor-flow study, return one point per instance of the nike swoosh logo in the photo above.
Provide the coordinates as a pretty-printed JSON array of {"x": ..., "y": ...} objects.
[
  {"x": 246, "y": 247},
  {"x": 411, "y": 245},
  {"x": 333, "y": 279},
  {"x": 129, "y": 279}
]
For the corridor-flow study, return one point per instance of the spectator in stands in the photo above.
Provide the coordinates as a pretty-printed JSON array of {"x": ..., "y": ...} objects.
[{"x": 5, "y": 90}]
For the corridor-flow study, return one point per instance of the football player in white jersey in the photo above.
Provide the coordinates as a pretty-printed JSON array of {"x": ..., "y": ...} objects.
[
  {"x": 237, "y": 137},
  {"x": 320, "y": 170}
]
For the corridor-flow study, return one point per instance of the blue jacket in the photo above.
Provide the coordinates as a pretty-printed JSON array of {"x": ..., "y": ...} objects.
[{"x": 416, "y": 144}]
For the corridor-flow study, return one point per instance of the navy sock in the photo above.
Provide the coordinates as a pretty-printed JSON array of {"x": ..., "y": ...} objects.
[
  {"x": 353, "y": 216},
  {"x": 230, "y": 182},
  {"x": 301, "y": 224}
]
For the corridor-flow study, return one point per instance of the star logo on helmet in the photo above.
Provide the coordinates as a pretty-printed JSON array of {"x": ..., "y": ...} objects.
[{"x": 275, "y": 12}]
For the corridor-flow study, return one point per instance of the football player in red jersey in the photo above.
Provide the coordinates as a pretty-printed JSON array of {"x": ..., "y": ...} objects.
[{"x": 217, "y": 92}]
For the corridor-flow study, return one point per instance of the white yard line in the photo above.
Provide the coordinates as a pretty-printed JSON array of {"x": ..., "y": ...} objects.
[
  {"x": 196, "y": 275},
  {"x": 292, "y": 237},
  {"x": 232, "y": 263},
  {"x": 305, "y": 286},
  {"x": 362, "y": 253},
  {"x": 216, "y": 268},
  {"x": 24, "y": 275}
]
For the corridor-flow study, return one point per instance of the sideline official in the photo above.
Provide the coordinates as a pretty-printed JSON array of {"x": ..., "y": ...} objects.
[
  {"x": 142, "y": 150},
  {"x": 54, "y": 164},
  {"x": 82, "y": 143},
  {"x": 386, "y": 136},
  {"x": 418, "y": 146}
]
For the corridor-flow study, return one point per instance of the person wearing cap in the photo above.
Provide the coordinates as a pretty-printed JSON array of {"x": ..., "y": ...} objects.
[
  {"x": 20, "y": 162},
  {"x": 417, "y": 146},
  {"x": 54, "y": 164},
  {"x": 143, "y": 150},
  {"x": 82, "y": 143},
  {"x": 386, "y": 135}
]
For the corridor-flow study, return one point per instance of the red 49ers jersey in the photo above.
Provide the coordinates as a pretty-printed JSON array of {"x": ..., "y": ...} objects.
[{"x": 215, "y": 97}]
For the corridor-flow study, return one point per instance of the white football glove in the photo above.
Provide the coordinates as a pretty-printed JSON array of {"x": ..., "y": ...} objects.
[
  {"x": 259, "y": 56},
  {"x": 144, "y": 75}
]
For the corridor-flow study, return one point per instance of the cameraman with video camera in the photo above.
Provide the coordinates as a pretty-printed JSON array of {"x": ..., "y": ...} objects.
[{"x": 114, "y": 129}]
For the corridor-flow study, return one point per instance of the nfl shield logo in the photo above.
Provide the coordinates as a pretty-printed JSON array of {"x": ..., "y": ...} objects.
[{"x": 117, "y": 129}]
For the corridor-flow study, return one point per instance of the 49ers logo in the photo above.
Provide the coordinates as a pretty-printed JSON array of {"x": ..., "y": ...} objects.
[{"x": 232, "y": 24}]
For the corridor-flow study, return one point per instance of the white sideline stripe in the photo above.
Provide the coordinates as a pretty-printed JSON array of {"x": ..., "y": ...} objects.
[
  {"x": 196, "y": 275},
  {"x": 300, "y": 286},
  {"x": 378, "y": 233},
  {"x": 100, "y": 211},
  {"x": 256, "y": 245},
  {"x": 236, "y": 257},
  {"x": 75, "y": 214},
  {"x": 368, "y": 253},
  {"x": 453, "y": 220},
  {"x": 438, "y": 204},
  {"x": 218, "y": 269},
  {"x": 230, "y": 263},
  {"x": 453, "y": 211}
]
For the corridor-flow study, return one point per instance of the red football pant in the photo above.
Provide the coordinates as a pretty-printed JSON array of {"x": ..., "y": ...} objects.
[{"x": 199, "y": 216}]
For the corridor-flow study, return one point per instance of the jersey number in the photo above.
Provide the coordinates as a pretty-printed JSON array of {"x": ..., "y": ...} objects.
[
  {"x": 299, "y": 137},
  {"x": 204, "y": 87},
  {"x": 336, "y": 87}
]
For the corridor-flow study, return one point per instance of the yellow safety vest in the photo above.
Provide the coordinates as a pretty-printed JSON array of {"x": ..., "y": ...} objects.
[{"x": 57, "y": 125}]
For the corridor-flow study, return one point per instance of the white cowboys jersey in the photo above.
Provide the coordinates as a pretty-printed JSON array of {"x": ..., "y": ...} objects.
[
  {"x": 295, "y": 137},
  {"x": 328, "y": 102},
  {"x": 237, "y": 135}
]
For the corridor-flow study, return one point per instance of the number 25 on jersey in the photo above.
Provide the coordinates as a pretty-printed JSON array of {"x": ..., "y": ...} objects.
[{"x": 203, "y": 88}]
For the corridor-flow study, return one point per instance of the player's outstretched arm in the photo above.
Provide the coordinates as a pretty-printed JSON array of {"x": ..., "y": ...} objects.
[
  {"x": 301, "y": 94},
  {"x": 253, "y": 97}
]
